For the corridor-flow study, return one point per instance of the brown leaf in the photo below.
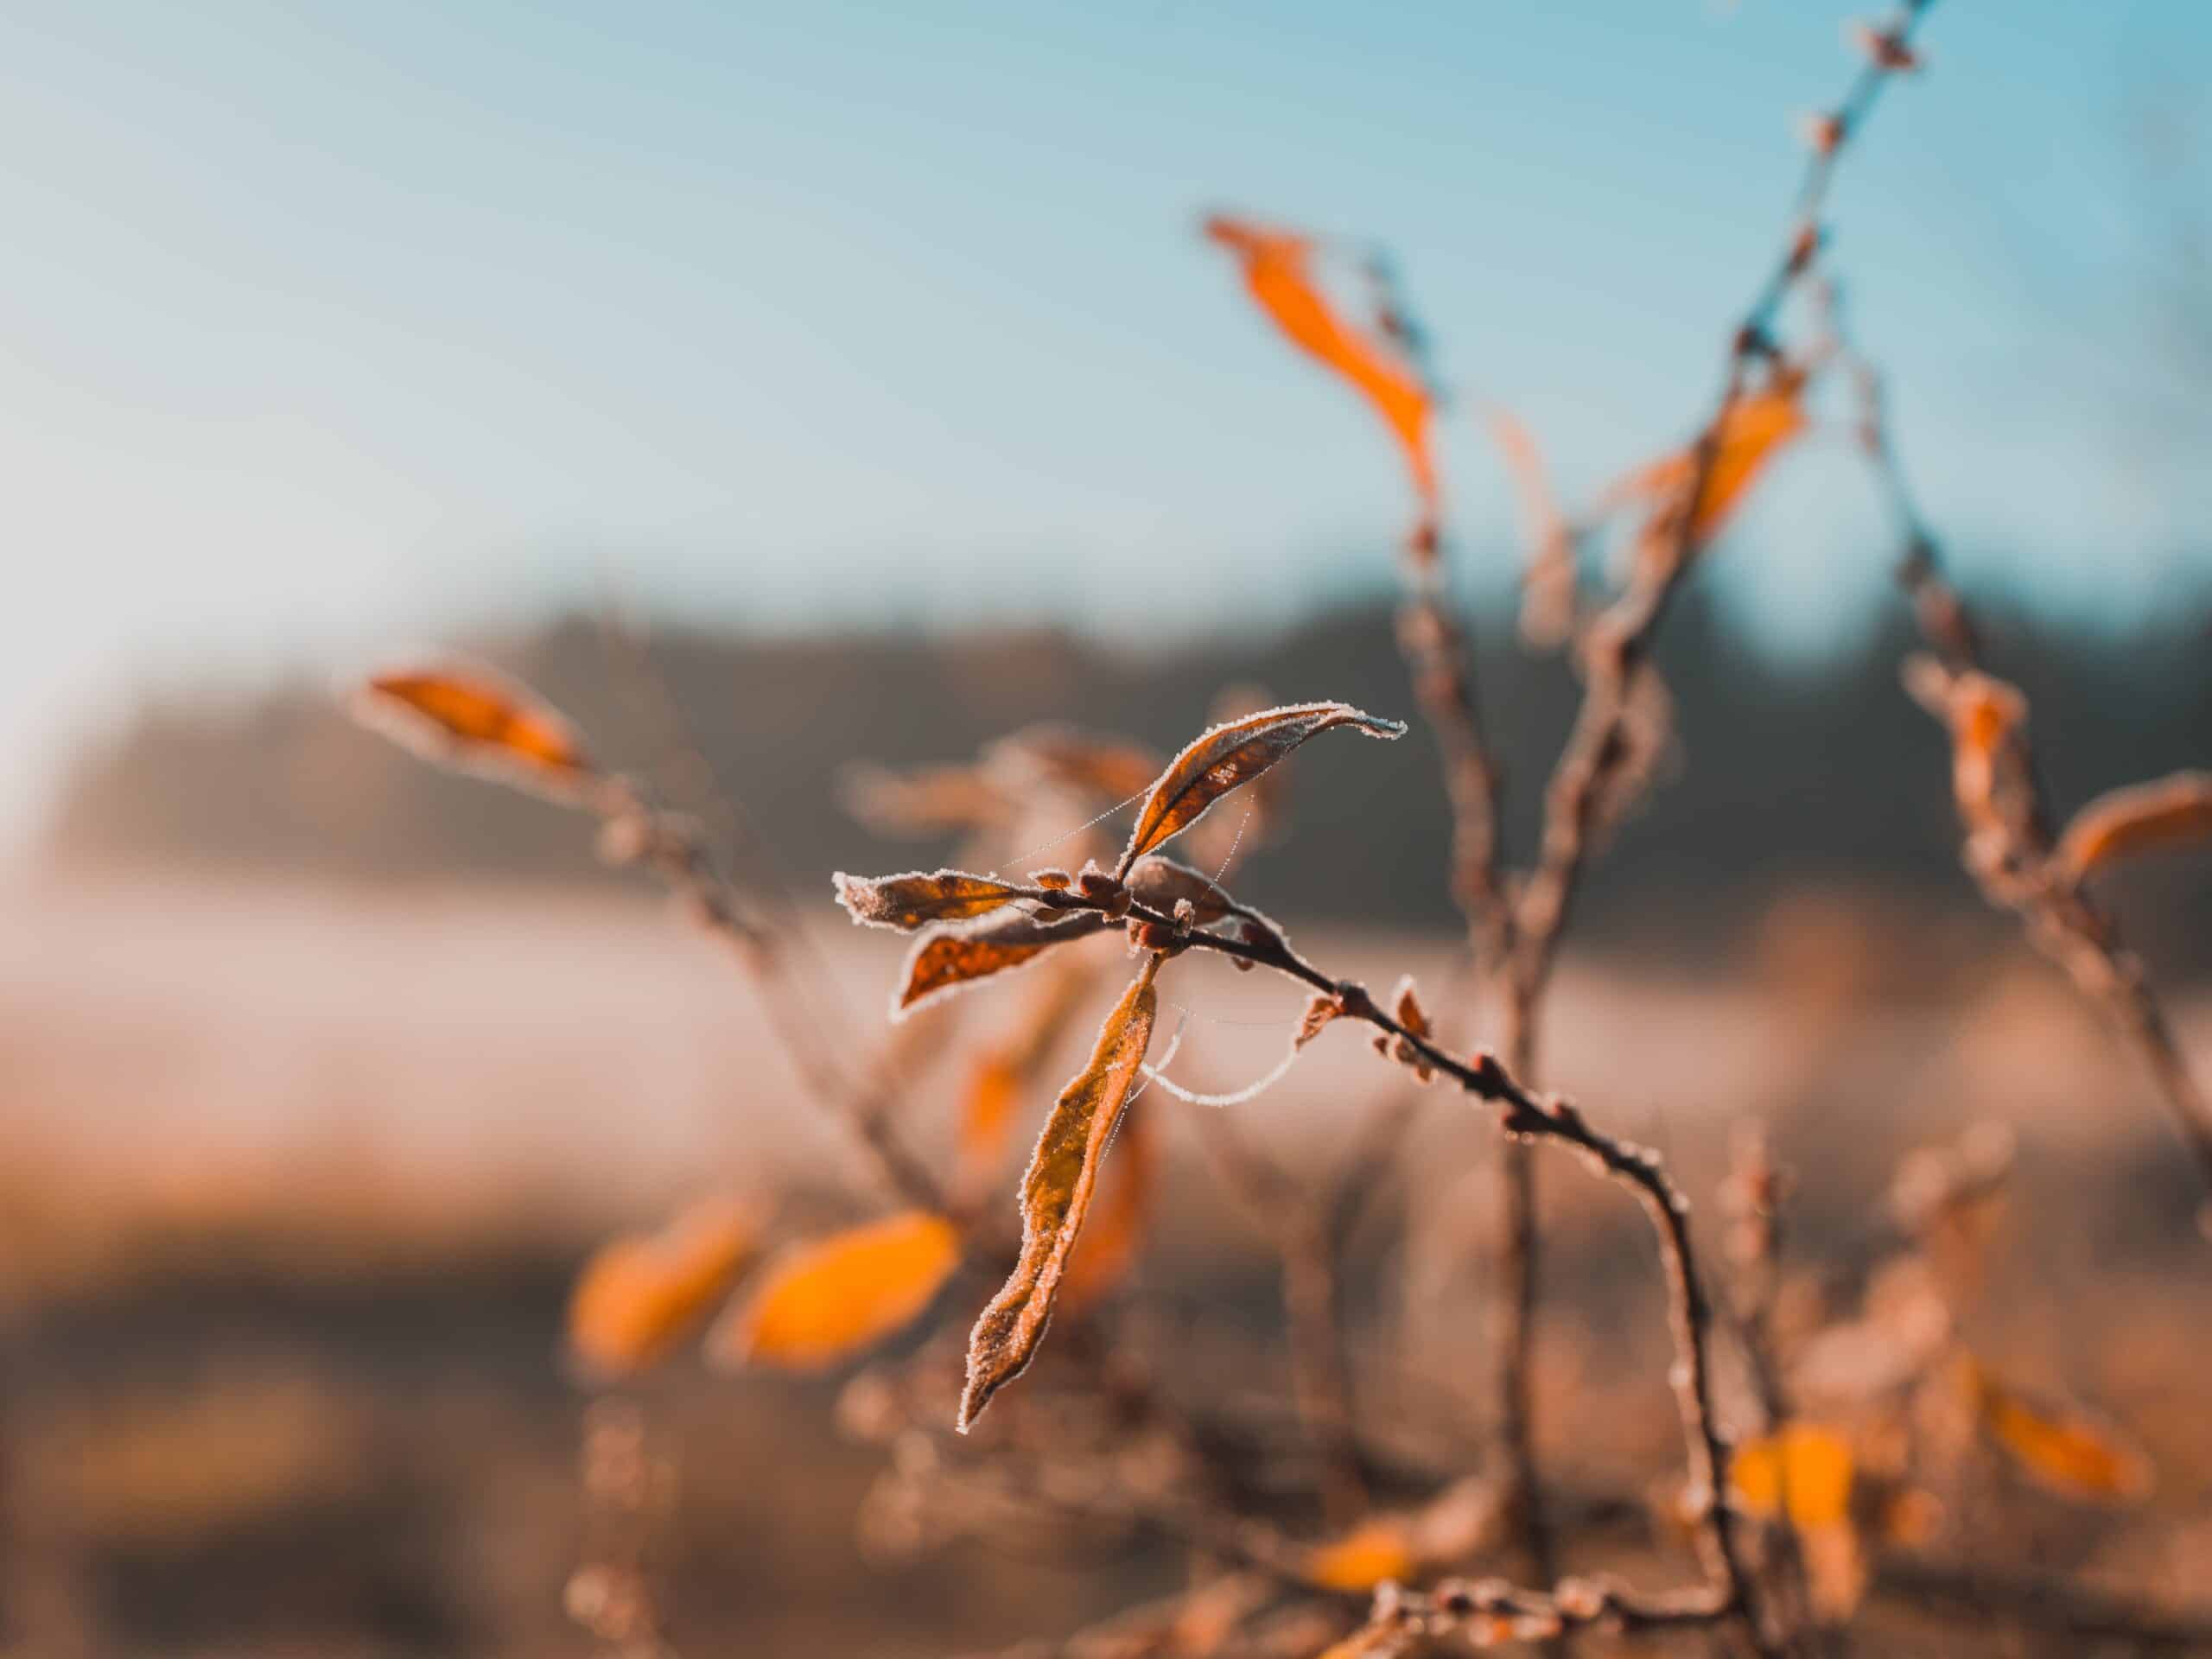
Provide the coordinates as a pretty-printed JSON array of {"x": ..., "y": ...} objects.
[
  {"x": 1110, "y": 1244},
  {"x": 1234, "y": 753},
  {"x": 2065, "y": 1450},
  {"x": 1159, "y": 881},
  {"x": 904, "y": 903},
  {"x": 479, "y": 721},
  {"x": 2172, "y": 811},
  {"x": 826, "y": 1298},
  {"x": 1056, "y": 1194},
  {"x": 639, "y": 1295},
  {"x": 1409, "y": 1014},
  {"x": 1320, "y": 1009},
  {"x": 956, "y": 957}
]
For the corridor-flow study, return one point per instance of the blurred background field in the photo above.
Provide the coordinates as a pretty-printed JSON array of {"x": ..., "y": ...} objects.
[
  {"x": 788, "y": 394},
  {"x": 304, "y": 1153}
]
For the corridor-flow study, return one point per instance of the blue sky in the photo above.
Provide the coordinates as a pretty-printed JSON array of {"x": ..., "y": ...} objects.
[{"x": 328, "y": 327}]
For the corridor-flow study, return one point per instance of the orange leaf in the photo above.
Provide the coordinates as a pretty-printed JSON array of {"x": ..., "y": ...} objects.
[
  {"x": 2172, "y": 811},
  {"x": 1804, "y": 1466},
  {"x": 1363, "y": 1558},
  {"x": 2064, "y": 1449},
  {"x": 952, "y": 957},
  {"x": 1230, "y": 754},
  {"x": 986, "y": 1110},
  {"x": 639, "y": 1295},
  {"x": 1277, "y": 271},
  {"x": 826, "y": 1298},
  {"x": 474, "y": 720},
  {"x": 1756, "y": 426},
  {"x": 1056, "y": 1195},
  {"x": 904, "y": 903}
]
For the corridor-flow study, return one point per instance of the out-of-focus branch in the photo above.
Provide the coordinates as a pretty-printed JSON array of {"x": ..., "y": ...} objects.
[{"x": 2015, "y": 867}]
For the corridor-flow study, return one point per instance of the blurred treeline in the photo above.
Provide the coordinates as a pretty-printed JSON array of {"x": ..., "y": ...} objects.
[{"x": 1784, "y": 772}]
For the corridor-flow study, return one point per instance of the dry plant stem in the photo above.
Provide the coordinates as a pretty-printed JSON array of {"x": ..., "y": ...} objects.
[
  {"x": 1442, "y": 670},
  {"x": 1526, "y": 1115},
  {"x": 674, "y": 855},
  {"x": 2063, "y": 921}
]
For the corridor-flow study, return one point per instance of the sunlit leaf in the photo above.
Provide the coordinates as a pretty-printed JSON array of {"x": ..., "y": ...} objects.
[
  {"x": 640, "y": 1296},
  {"x": 1114, "y": 1237},
  {"x": 953, "y": 958},
  {"x": 1056, "y": 1194},
  {"x": 1227, "y": 755},
  {"x": 1372, "y": 1552},
  {"x": 1805, "y": 1466},
  {"x": 826, "y": 1299},
  {"x": 903, "y": 903},
  {"x": 1984, "y": 716},
  {"x": 2065, "y": 1450},
  {"x": 1277, "y": 267},
  {"x": 479, "y": 721},
  {"x": 2172, "y": 811}
]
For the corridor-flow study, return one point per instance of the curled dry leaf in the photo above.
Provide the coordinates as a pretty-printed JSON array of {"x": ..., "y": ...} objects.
[
  {"x": 1278, "y": 273},
  {"x": 826, "y": 1298},
  {"x": 1375, "y": 1550},
  {"x": 2172, "y": 811},
  {"x": 640, "y": 1295},
  {"x": 1805, "y": 1468},
  {"x": 1110, "y": 1244},
  {"x": 1056, "y": 1194},
  {"x": 987, "y": 1109},
  {"x": 952, "y": 957},
  {"x": 1407, "y": 1011},
  {"x": 904, "y": 903},
  {"x": 1320, "y": 1009},
  {"x": 2066, "y": 1450},
  {"x": 479, "y": 721},
  {"x": 1231, "y": 754}
]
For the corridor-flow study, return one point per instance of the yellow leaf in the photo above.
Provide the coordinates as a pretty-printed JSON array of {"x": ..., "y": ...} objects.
[
  {"x": 826, "y": 1299},
  {"x": 1233, "y": 753},
  {"x": 2172, "y": 811},
  {"x": 1278, "y": 275},
  {"x": 1056, "y": 1194},
  {"x": 473, "y": 720},
  {"x": 1363, "y": 1558},
  {"x": 639, "y": 1296},
  {"x": 1805, "y": 1466},
  {"x": 2065, "y": 1450}
]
